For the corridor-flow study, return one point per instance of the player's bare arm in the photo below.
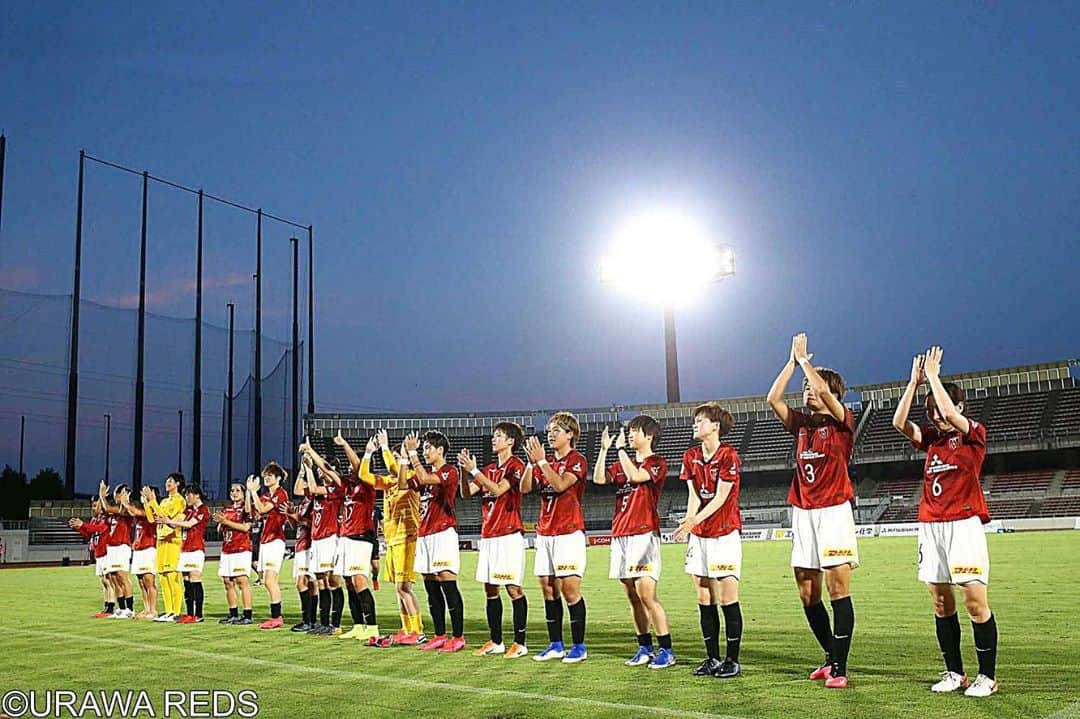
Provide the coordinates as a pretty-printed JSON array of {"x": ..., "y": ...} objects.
[
  {"x": 775, "y": 397},
  {"x": 900, "y": 420},
  {"x": 350, "y": 453},
  {"x": 819, "y": 386},
  {"x": 948, "y": 410},
  {"x": 600, "y": 473}
]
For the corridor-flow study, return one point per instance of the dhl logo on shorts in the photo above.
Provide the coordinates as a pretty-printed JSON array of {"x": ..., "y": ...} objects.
[
  {"x": 191, "y": 566},
  {"x": 721, "y": 567},
  {"x": 839, "y": 553},
  {"x": 356, "y": 568},
  {"x": 504, "y": 576},
  {"x": 641, "y": 568},
  {"x": 966, "y": 570},
  {"x": 566, "y": 567},
  {"x": 442, "y": 563}
]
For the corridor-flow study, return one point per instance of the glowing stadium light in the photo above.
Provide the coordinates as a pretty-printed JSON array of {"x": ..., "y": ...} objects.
[{"x": 669, "y": 258}]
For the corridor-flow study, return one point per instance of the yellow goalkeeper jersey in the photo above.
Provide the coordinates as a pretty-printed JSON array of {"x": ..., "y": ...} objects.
[
  {"x": 172, "y": 507},
  {"x": 401, "y": 507}
]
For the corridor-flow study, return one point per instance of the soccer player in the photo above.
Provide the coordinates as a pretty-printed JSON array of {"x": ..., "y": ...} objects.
[
  {"x": 144, "y": 554},
  {"x": 502, "y": 538},
  {"x": 437, "y": 558},
  {"x": 635, "y": 533},
  {"x": 94, "y": 532},
  {"x": 358, "y": 544},
  {"x": 560, "y": 533},
  {"x": 272, "y": 537},
  {"x": 169, "y": 542},
  {"x": 952, "y": 510},
  {"x": 401, "y": 522},
  {"x": 300, "y": 516},
  {"x": 192, "y": 551},
  {"x": 822, "y": 523},
  {"x": 234, "y": 520},
  {"x": 712, "y": 524},
  {"x": 118, "y": 548},
  {"x": 327, "y": 561}
]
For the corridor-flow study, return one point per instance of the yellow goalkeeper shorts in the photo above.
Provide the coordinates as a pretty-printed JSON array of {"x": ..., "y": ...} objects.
[{"x": 397, "y": 565}]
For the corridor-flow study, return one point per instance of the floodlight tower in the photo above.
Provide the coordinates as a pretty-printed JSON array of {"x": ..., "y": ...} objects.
[{"x": 670, "y": 256}]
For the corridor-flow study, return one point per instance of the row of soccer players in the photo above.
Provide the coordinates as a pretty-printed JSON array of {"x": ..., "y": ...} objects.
[{"x": 420, "y": 527}]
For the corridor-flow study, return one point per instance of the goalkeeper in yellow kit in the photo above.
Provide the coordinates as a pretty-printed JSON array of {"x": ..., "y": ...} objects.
[
  {"x": 401, "y": 519},
  {"x": 169, "y": 542}
]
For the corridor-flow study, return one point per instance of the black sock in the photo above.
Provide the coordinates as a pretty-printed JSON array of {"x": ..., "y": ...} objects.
[
  {"x": 110, "y": 607},
  {"x": 354, "y": 607},
  {"x": 494, "y": 618},
  {"x": 337, "y": 606},
  {"x": 189, "y": 598},
  {"x": 324, "y": 607},
  {"x": 521, "y": 618},
  {"x": 437, "y": 605},
  {"x": 305, "y": 605},
  {"x": 553, "y": 613},
  {"x": 455, "y": 607},
  {"x": 234, "y": 612},
  {"x": 197, "y": 590},
  {"x": 733, "y": 629},
  {"x": 131, "y": 602},
  {"x": 366, "y": 601},
  {"x": 948, "y": 639},
  {"x": 986, "y": 640},
  {"x": 644, "y": 640},
  {"x": 843, "y": 627},
  {"x": 577, "y": 621},
  {"x": 275, "y": 610},
  {"x": 247, "y": 614},
  {"x": 664, "y": 640},
  {"x": 818, "y": 617},
  {"x": 710, "y": 629},
  {"x": 313, "y": 613}
]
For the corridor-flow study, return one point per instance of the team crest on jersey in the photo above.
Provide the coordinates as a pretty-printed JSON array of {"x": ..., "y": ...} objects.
[
  {"x": 823, "y": 432},
  {"x": 954, "y": 442}
]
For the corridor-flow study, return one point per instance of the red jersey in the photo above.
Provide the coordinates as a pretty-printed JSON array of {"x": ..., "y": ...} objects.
[
  {"x": 437, "y": 500},
  {"x": 324, "y": 512},
  {"x": 951, "y": 488},
  {"x": 303, "y": 527},
  {"x": 357, "y": 507},
  {"x": 705, "y": 478},
  {"x": 195, "y": 536},
  {"x": 274, "y": 527},
  {"x": 502, "y": 514},
  {"x": 636, "y": 502},
  {"x": 822, "y": 451},
  {"x": 145, "y": 533},
  {"x": 119, "y": 532},
  {"x": 94, "y": 531},
  {"x": 235, "y": 540},
  {"x": 560, "y": 512}
]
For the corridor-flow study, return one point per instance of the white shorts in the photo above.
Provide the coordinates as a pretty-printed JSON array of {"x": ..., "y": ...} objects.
[
  {"x": 100, "y": 566},
  {"x": 324, "y": 556},
  {"x": 502, "y": 560},
  {"x": 438, "y": 553},
  {"x": 355, "y": 557},
  {"x": 823, "y": 537},
  {"x": 302, "y": 564},
  {"x": 561, "y": 555},
  {"x": 271, "y": 556},
  {"x": 117, "y": 558},
  {"x": 636, "y": 555},
  {"x": 715, "y": 557},
  {"x": 234, "y": 564},
  {"x": 953, "y": 552},
  {"x": 144, "y": 561},
  {"x": 192, "y": 561}
]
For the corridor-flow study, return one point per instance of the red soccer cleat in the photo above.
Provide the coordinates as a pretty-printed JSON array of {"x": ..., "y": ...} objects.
[
  {"x": 102, "y": 615},
  {"x": 434, "y": 643},
  {"x": 407, "y": 638},
  {"x": 454, "y": 644},
  {"x": 822, "y": 672},
  {"x": 836, "y": 683},
  {"x": 186, "y": 619},
  {"x": 275, "y": 623}
]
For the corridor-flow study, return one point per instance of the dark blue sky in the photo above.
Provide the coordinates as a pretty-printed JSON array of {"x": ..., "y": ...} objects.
[{"x": 891, "y": 175}]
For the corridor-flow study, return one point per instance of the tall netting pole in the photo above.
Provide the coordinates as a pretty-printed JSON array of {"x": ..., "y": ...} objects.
[
  {"x": 229, "y": 405},
  {"x": 311, "y": 320},
  {"x": 196, "y": 396},
  {"x": 73, "y": 362},
  {"x": 3, "y": 160},
  {"x": 140, "y": 361},
  {"x": 257, "y": 397},
  {"x": 295, "y": 350}
]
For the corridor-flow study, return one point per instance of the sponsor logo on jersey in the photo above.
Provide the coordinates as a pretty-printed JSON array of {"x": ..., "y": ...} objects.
[
  {"x": 937, "y": 466},
  {"x": 810, "y": 454},
  {"x": 838, "y": 553}
]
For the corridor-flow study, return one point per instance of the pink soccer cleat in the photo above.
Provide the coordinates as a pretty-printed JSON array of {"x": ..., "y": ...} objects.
[{"x": 435, "y": 643}]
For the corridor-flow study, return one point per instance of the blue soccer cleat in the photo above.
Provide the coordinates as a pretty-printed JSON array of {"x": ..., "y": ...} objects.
[
  {"x": 576, "y": 654},
  {"x": 555, "y": 650},
  {"x": 644, "y": 656},
  {"x": 664, "y": 658}
]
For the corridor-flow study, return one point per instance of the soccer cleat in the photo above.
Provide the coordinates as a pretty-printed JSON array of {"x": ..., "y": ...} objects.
[
  {"x": 359, "y": 631},
  {"x": 950, "y": 682},
  {"x": 835, "y": 682},
  {"x": 516, "y": 651},
  {"x": 664, "y": 658},
  {"x": 983, "y": 686},
  {"x": 102, "y": 614},
  {"x": 489, "y": 649},
  {"x": 186, "y": 619},
  {"x": 197, "y": 620},
  {"x": 371, "y": 631},
  {"x": 166, "y": 617},
  {"x": 399, "y": 636},
  {"x": 407, "y": 639},
  {"x": 822, "y": 672},
  {"x": 435, "y": 643},
  {"x": 122, "y": 614},
  {"x": 453, "y": 644},
  {"x": 244, "y": 621},
  {"x": 333, "y": 632},
  {"x": 273, "y": 623},
  {"x": 381, "y": 642},
  {"x": 707, "y": 668},
  {"x": 301, "y": 627},
  {"x": 555, "y": 650},
  {"x": 228, "y": 620},
  {"x": 644, "y": 656},
  {"x": 727, "y": 670},
  {"x": 576, "y": 654}
]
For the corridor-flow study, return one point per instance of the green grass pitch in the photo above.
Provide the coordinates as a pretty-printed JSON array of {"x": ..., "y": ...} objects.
[{"x": 50, "y": 642}]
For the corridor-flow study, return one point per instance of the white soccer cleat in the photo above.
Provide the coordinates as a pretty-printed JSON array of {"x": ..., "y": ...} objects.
[
  {"x": 950, "y": 682},
  {"x": 983, "y": 686}
]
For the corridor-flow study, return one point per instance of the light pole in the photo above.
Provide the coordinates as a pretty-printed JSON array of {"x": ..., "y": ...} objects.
[{"x": 108, "y": 432}]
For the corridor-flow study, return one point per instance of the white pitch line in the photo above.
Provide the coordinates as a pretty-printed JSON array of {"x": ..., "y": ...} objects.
[
  {"x": 400, "y": 681},
  {"x": 1070, "y": 711}
]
